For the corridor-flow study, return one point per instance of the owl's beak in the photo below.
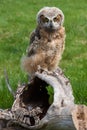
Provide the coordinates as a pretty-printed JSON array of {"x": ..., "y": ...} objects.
[{"x": 51, "y": 25}]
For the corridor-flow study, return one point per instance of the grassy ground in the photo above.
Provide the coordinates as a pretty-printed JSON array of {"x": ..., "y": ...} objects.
[{"x": 17, "y": 20}]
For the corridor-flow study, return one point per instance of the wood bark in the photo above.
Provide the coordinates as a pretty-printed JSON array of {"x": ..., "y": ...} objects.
[{"x": 31, "y": 108}]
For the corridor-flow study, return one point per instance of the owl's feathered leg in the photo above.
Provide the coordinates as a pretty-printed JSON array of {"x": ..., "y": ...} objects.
[{"x": 31, "y": 64}]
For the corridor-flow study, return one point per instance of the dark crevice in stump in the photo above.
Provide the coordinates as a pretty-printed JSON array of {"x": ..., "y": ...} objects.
[{"x": 35, "y": 95}]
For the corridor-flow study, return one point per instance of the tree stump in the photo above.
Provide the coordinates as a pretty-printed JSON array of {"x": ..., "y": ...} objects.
[{"x": 32, "y": 109}]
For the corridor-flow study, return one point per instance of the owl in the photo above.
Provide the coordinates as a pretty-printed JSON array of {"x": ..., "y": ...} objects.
[{"x": 47, "y": 41}]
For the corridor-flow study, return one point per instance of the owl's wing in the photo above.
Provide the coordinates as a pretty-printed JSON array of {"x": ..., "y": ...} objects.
[
  {"x": 30, "y": 50},
  {"x": 32, "y": 37},
  {"x": 34, "y": 34}
]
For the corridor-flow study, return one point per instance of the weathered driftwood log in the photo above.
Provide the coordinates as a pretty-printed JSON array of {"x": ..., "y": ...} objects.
[{"x": 32, "y": 109}]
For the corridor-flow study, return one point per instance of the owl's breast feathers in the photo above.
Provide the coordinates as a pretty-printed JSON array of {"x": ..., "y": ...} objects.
[
  {"x": 42, "y": 41},
  {"x": 57, "y": 34}
]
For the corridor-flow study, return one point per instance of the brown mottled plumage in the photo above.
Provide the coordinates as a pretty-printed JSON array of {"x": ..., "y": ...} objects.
[{"x": 46, "y": 42}]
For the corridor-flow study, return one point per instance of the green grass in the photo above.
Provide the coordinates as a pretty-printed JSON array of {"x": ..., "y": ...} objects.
[{"x": 18, "y": 19}]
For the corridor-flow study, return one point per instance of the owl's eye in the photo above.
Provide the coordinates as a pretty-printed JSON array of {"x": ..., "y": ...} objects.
[
  {"x": 44, "y": 19},
  {"x": 57, "y": 19}
]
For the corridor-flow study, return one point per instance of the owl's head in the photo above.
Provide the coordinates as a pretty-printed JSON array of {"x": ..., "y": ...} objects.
[{"x": 50, "y": 18}]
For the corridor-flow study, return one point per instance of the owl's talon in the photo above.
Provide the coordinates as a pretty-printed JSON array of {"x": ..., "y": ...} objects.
[
  {"x": 44, "y": 72},
  {"x": 39, "y": 68}
]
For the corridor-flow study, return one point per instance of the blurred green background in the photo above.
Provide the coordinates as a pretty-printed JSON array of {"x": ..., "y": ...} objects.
[{"x": 18, "y": 20}]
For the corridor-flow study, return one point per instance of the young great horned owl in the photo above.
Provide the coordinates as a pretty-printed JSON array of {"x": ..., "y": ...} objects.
[{"x": 46, "y": 42}]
